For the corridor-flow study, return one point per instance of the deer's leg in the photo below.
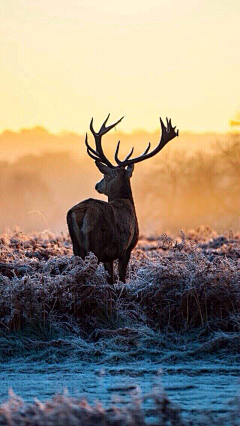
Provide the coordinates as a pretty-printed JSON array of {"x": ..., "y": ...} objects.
[
  {"x": 123, "y": 263},
  {"x": 109, "y": 267},
  {"x": 77, "y": 250}
]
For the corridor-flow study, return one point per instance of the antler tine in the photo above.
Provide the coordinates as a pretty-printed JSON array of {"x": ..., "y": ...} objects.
[
  {"x": 89, "y": 148},
  {"x": 103, "y": 130},
  {"x": 105, "y": 122},
  {"x": 129, "y": 155},
  {"x": 91, "y": 126},
  {"x": 93, "y": 156},
  {"x": 120, "y": 163},
  {"x": 147, "y": 149},
  {"x": 116, "y": 154},
  {"x": 168, "y": 133},
  {"x": 163, "y": 128}
]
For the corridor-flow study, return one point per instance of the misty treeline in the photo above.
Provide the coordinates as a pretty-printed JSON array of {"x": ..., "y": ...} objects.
[{"x": 173, "y": 191}]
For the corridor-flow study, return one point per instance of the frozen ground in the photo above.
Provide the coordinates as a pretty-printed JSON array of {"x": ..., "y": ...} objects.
[{"x": 195, "y": 387}]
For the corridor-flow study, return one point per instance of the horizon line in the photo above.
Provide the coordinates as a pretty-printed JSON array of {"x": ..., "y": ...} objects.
[{"x": 134, "y": 131}]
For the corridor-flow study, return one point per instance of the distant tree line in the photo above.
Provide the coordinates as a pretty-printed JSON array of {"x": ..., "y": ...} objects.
[{"x": 175, "y": 192}]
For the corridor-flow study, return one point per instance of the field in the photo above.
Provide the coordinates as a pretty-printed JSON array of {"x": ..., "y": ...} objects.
[{"x": 181, "y": 304}]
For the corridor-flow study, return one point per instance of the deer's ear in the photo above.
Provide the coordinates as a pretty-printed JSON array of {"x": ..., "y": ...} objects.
[
  {"x": 105, "y": 170},
  {"x": 130, "y": 169}
]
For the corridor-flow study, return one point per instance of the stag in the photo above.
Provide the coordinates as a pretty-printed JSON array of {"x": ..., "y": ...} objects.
[{"x": 110, "y": 229}]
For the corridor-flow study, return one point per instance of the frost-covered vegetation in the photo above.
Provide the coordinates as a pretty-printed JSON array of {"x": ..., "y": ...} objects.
[
  {"x": 175, "y": 288},
  {"x": 181, "y": 302},
  {"x": 66, "y": 411}
]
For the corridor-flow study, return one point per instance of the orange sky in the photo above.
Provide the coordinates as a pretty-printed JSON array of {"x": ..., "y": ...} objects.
[{"x": 63, "y": 61}]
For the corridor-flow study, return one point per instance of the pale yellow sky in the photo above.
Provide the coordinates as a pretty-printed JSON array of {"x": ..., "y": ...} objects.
[{"x": 64, "y": 61}]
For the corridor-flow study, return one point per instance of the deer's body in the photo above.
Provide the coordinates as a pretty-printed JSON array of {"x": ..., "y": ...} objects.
[{"x": 110, "y": 229}]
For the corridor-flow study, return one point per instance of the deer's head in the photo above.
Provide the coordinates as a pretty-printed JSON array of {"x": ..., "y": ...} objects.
[{"x": 115, "y": 177}]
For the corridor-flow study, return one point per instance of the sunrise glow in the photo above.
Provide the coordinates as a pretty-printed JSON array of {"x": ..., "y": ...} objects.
[{"x": 66, "y": 61}]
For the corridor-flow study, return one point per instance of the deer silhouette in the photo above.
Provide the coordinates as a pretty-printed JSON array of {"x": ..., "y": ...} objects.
[{"x": 110, "y": 229}]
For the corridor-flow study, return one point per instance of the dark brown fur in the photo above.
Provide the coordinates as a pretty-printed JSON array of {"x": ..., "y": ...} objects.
[{"x": 109, "y": 230}]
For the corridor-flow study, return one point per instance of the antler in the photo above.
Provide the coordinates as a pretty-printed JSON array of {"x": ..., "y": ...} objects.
[
  {"x": 168, "y": 133},
  {"x": 98, "y": 154}
]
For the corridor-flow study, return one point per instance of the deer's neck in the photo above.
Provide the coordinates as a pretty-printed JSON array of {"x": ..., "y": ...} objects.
[{"x": 122, "y": 190}]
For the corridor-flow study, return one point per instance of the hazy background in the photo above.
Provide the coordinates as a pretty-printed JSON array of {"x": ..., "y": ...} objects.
[
  {"x": 62, "y": 62},
  {"x": 194, "y": 181}
]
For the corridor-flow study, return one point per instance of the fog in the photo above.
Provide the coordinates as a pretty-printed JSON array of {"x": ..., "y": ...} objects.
[{"x": 194, "y": 181}]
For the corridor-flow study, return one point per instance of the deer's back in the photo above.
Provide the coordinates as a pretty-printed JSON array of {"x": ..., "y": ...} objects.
[
  {"x": 92, "y": 214},
  {"x": 109, "y": 228}
]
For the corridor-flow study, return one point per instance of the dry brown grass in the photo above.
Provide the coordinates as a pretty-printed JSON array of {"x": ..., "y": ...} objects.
[{"x": 173, "y": 285}]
